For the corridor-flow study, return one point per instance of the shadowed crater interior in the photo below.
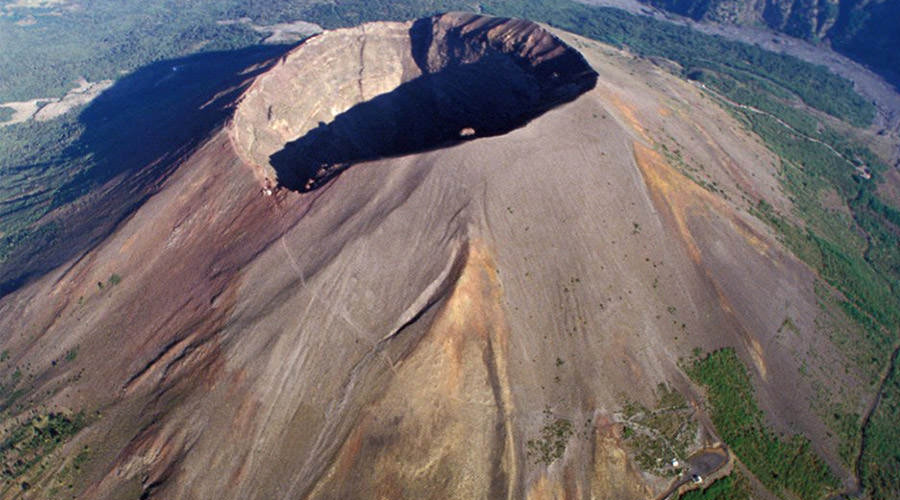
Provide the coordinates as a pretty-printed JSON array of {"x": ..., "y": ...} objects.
[{"x": 393, "y": 89}]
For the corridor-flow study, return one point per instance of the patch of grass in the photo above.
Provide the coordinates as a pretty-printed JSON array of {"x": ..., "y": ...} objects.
[
  {"x": 82, "y": 458},
  {"x": 9, "y": 393},
  {"x": 787, "y": 466},
  {"x": 6, "y": 114},
  {"x": 733, "y": 487},
  {"x": 26, "y": 445},
  {"x": 71, "y": 354},
  {"x": 551, "y": 445},
  {"x": 846, "y": 424},
  {"x": 68, "y": 473},
  {"x": 788, "y": 325},
  {"x": 880, "y": 460}
]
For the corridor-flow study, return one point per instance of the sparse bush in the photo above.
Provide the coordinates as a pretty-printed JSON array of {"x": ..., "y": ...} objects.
[
  {"x": 26, "y": 445},
  {"x": 551, "y": 445}
]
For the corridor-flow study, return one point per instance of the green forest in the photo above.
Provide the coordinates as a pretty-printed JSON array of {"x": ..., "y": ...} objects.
[{"x": 785, "y": 465}]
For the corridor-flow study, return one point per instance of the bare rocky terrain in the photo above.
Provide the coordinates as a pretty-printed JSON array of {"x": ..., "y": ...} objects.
[
  {"x": 402, "y": 321},
  {"x": 43, "y": 109}
]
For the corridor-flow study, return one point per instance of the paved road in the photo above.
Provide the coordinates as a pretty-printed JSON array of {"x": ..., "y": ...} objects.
[{"x": 707, "y": 462}]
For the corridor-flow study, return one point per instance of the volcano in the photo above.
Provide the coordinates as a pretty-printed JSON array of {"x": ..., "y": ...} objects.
[{"x": 432, "y": 259}]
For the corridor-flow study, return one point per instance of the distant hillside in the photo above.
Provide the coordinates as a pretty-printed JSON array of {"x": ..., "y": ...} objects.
[{"x": 863, "y": 29}]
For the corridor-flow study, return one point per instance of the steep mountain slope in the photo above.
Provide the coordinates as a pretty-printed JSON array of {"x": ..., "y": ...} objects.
[
  {"x": 462, "y": 308},
  {"x": 866, "y": 30}
]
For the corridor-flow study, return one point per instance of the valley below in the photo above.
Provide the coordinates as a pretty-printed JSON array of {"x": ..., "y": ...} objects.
[{"x": 872, "y": 86}]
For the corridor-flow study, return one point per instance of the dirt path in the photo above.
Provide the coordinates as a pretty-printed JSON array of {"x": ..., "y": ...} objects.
[
  {"x": 780, "y": 121},
  {"x": 876, "y": 401}
]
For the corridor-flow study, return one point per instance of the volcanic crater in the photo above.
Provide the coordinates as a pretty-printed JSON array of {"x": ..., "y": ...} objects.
[{"x": 391, "y": 89}]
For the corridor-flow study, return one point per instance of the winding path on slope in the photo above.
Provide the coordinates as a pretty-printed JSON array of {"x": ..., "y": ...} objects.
[
  {"x": 858, "y": 490},
  {"x": 779, "y": 120},
  {"x": 870, "y": 410}
]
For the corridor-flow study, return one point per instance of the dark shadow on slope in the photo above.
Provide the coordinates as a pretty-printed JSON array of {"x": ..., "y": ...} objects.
[
  {"x": 494, "y": 95},
  {"x": 134, "y": 134},
  {"x": 158, "y": 111},
  {"x": 421, "y": 38}
]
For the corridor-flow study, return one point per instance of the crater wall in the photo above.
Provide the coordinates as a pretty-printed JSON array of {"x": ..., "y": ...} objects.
[{"x": 391, "y": 89}]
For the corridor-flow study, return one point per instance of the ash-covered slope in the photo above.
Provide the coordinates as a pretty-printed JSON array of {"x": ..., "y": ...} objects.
[{"x": 413, "y": 327}]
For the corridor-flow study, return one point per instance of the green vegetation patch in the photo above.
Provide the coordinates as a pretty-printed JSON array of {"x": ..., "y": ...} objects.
[
  {"x": 67, "y": 476},
  {"x": 71, "y": 354},
  {"x": 26, "y": 445},
  {"x": 787, "y": 466},
  {"x": 6, "y": 114},
  {"x": 880, "y": 461},
  {"x": 9, "y": 391},
  {"x": 733, "y": 487},
  {"x": 551, "y": 445}
]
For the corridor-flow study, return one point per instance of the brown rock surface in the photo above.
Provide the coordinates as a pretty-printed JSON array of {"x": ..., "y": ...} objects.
[{"x": 404, "y": 330}]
